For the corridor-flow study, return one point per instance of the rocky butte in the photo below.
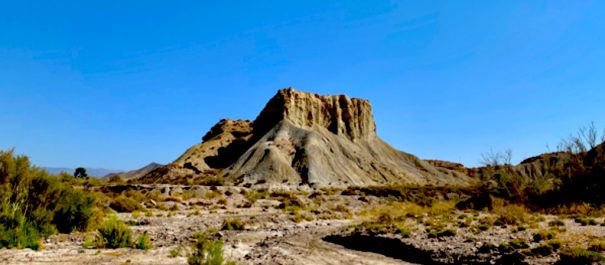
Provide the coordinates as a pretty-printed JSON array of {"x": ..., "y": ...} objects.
[{"x": 299, "y": 139}]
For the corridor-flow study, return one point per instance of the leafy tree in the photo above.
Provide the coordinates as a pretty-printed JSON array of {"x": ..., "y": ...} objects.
[{"x": 80, "y": 173}]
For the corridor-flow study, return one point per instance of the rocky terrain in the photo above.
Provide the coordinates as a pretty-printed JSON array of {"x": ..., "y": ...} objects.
[
  {"x": 302, "y": 138},
  {"x": 325, "y": 227},
  {"x": 310, "y": 182}
]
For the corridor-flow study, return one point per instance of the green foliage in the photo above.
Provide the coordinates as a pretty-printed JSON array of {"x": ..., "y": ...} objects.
[
  {"x": 143, "y": 242},
  {"x": 510, "y": 214},
  {"x": 512, "y": 245},
  {"x": 80, "y": 173},
  {"x": 597, "y": 245},
  {"x": 421, "y": 195},
  {"x": 206, "y": 250},
  {"x": 74, "y": 211},
  {"x": 556, "y": 223},
  {"x": 125, "y": 204},
  {"x": 403, "y": 232},
  {"x": 34, "y": 205},
  {"x": 255, "y": 195},
  {"x": 509, "y": 185},
  {"x": 543, "y": 250},
  {"x": 439, "y": 233},
  {"x": 579, "y": 256},
  {"x": 176, "y": 251},
  {"x": 544, "y": 235},
  {"x": 114, "y": 234},
  {"x": 584, "y": 221},
  {"x": 115, "y": 179},
  {"x": 483, "y": 227},
  {"x": 212, "y": 181},
  {"x": 233, "y": 224},
  {"x": 291, "y": 204}
]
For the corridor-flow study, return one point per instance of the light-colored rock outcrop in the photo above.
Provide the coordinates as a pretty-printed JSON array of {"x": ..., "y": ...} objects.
[{"x": 302, "y": 138}]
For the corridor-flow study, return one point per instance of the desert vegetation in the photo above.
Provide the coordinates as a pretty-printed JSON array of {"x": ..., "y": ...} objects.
[
  {"x": 34, "y": 205},
  {"x": 555, "y": 215}
]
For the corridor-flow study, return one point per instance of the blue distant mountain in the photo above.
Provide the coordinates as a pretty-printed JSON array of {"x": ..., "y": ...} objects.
[{"x": 92, "y": 172}]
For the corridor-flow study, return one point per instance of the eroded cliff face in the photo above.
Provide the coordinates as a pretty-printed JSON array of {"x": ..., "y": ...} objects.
[
  {"x": 338, "y": 114},
  {"x": 303, "y": 138}
]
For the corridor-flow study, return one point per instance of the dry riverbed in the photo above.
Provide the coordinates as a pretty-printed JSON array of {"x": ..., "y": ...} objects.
[{"x": 323, "y": 227}]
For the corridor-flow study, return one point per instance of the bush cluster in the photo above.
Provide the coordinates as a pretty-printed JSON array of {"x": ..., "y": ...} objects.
[
  {"x": 115, "y": 233},
  {"x": 34, "y": 205},
  {"x": 207, "y": 250}
]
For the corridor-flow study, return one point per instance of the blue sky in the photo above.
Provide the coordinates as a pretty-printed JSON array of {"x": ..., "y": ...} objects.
[{"x": 118, "y": 85}]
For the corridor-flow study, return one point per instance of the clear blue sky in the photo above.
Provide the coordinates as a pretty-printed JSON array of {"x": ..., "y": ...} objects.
[{"x": 118, "y": 85}]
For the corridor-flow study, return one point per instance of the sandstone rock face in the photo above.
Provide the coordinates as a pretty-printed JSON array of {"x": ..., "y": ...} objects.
[
  {"x": 340, "y": 115},
  {"x": 303, "y": 139}
]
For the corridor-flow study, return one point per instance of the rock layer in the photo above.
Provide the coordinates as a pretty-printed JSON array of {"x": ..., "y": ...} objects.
[
  {"x": 303, "y": 139},
  {"x": 339, "y": 114}
]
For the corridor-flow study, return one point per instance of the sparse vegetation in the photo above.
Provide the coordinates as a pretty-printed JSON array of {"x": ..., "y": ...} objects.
[
  {"x": 579, "y": 256},
  {"x": 511, "y": 214},
  {"x": 233, "y": 224},
  {"x": 143, "y": 242},
  {"x": 586, "y": 221},
  {"x": 597, "y": 245},
  {"x": 544, "y": 235},
  {"x": 439, "y": 233},
  {"x": 176, "y": 251},
  {"x": 207, "y": 250},
  {"x": 255, "y": 195},
  {"x": 114, "y": 234}
]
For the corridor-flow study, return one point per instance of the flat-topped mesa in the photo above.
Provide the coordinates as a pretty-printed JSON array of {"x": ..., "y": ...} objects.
[
  {"x": 339, "y": 114},
  {"x": 302, "y": 139}
]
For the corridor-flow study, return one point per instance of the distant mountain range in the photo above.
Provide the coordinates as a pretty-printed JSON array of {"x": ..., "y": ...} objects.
[
  {"x": 136, "y": 173},
  {"x": 93, "y": 172},
  {"x": 103, "y": 172}
]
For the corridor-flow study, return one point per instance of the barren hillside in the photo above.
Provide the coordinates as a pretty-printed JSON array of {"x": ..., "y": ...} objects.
[{"x": 302, "y": 138}]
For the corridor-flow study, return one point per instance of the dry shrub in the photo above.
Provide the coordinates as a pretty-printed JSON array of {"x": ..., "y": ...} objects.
[
  {"x": 125, "y": 204},
  {"x": 510, "y": 214},
  {"x": 577, "y": 209}
]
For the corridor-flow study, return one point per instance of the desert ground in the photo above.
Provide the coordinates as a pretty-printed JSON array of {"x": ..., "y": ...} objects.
[{"x": 327, "y": 226}]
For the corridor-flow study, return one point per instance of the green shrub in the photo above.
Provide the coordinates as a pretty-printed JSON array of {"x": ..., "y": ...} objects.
[
  {"x": 176, "y": 251},
  {"x": 543, "y": 250},
  {"x": 544, "y": 235},
  {"x": 518, "y": 243},
  {"x": 579, "y": 256},
  {"x": 584, "y": 221},
  {"x": 74, "y": 211},
  {"x": 34, "y": 205},
  {"x": 206, "y": 250},
  {"x": 291, "y": 204},
  {"x": 114, "y": 234},
  {"x": 143, "y": 242},
  {"x": 511, "y": 214},
  {"x": 254, "y": 195},
  {"x": 597, "y": 245},
  {"x": 513, "y": 244},
  {"x": 125, "y": 204},
  {"x": 233, "y": 224},
  {"x": 556, "y": 222},
  {"x": 441, "y": 233},
  {"x": 403, "y": 232},
  {"x": 484, "y": 227},
  {"x": 115, "y": 179},
  {"x": 520, "y": 228}
]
